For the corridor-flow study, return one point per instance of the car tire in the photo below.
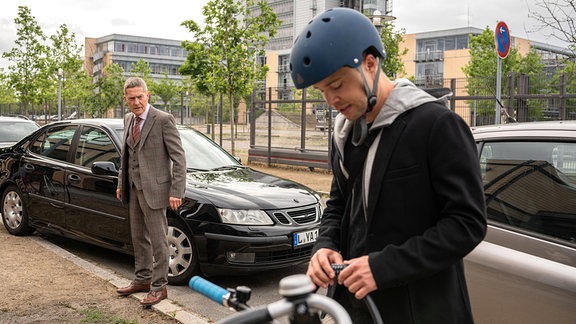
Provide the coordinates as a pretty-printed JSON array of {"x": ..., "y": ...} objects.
[
  {"x": 14, "y": 212},
  {"x": 183, "y": 262}
]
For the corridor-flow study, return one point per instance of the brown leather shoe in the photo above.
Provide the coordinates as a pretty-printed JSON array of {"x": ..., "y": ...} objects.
[
  {"x": 154, "y": 297},
  {"x": 133, "y": 288}
]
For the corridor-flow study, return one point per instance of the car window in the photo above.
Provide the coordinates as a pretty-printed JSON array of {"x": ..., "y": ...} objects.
[
  {"x": 95, "y": 145},
  {"x": 532, "y": 186},
  {"x": 55, "y": 142}
]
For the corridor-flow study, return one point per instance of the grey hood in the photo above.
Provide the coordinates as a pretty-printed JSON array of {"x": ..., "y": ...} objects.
[{"x": 403, "y": 97}]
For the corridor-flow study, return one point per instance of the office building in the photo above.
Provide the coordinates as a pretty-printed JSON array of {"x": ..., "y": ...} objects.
[{"x": 164, "y": 56}]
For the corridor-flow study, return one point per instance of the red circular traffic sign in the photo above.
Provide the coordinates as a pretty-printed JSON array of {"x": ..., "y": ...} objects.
[{"x": 502, "y": 39}]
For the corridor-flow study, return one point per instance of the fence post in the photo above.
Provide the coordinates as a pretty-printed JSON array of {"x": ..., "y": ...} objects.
[
  {"x": 221, "y": 116},
  {"x": 523, "y": 113},
  {"x": 563, "y": 96},
  {"x": 253, "y": 119},
  {"x": 453, "y": 90},
  {"x": 269, "y": 160},
  {"x": 510, "y": 103}
]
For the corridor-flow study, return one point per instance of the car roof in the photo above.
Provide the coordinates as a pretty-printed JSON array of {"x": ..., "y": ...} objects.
[
  {"x": 112, "y": 122},
  {"x": 15, "y": 119},
  {"x": 530, "y": 130},
  {"x": 115, "y": 123}
]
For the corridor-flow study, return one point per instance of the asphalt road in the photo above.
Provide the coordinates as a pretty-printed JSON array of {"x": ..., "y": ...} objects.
[{"x": 264, "y": 285}]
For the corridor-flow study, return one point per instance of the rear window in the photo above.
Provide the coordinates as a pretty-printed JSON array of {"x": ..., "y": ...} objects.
[{"x": 531, "y": 185}]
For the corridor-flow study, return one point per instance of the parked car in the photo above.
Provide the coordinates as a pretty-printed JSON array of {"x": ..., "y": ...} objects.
[
  {"x": 525, "y": 270},
  {"x": 13, "y": 129},
  {"x": 62, "y": 180}
]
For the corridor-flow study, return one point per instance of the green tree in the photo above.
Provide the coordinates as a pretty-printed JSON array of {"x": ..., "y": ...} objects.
[
  {"x": 108, "y": 91},
  {"x": 142, "y": 70},
  {"x": 481, "y": 71},
  {"x": 197, "y": 102},
  {"x": 28, "y": 59},
  {"x": 567, "y": 75},
  {"x": 235, "y": 34},
  {"x": 393, "y": 65},
  {"x": 6, "y": 92},
  {"x": 167, "y": 90},
  {"x": 66, "y": 56},
  {"x": 196, "y": 66}
]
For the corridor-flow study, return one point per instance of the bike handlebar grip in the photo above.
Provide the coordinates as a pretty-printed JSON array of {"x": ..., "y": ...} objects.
[
  {"x": 209, "y": 289},
  {"x": 254, "y": 315}
]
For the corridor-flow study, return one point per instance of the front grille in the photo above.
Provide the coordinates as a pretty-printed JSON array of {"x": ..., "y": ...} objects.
[
  {"x": 285, "y": 255},
  {"x": 304, "y": 215}
]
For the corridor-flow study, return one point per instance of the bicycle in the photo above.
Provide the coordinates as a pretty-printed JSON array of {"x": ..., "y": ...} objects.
[{"x": 300, "y": 302}]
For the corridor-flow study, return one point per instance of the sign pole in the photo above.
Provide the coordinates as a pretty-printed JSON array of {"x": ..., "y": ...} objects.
[
  {"x": 502, "y": 42},
  {"x": 498, "y": 90}
]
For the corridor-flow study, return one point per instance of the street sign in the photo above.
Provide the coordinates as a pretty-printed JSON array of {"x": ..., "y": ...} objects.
[{"x": 502, "y": 39}]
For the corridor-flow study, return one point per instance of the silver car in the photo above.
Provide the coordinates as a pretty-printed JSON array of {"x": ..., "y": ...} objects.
[
  {"x": 525, "y": 270},
  {"x": 13, "y": 129}
]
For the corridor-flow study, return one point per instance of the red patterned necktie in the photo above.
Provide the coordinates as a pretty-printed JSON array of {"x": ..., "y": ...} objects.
[{"x": 136, "y": 131}]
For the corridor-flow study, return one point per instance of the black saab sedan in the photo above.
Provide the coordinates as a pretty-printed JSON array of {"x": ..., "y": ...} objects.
[{"x": 62, "y": 180}]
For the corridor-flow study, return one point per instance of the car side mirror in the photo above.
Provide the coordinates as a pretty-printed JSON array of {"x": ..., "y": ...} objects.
[{"x": 104, "y": 168}]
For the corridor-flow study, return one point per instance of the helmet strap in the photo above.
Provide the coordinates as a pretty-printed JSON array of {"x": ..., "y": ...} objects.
[
  {"x": 371, "y": 94},
  {"x": 360, "y": 130}
]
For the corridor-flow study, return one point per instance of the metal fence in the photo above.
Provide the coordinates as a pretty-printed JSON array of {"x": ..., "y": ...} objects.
[
  {"x": 285, "y": 126},
  {"x": 293, "y": 127}
]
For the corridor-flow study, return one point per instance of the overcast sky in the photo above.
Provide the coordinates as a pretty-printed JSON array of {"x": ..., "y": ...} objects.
[{"x": 162, "y": 18}]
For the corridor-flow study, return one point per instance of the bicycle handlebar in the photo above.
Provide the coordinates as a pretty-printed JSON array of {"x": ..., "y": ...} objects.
[
  {"x": 210, "y": 290},
  {"x": 296, "y": 290}
]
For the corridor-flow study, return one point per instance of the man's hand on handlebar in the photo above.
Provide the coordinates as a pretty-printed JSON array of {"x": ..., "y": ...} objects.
[
  {"x": 320, "y": 270},
  {"x": 357, "y": 277}
]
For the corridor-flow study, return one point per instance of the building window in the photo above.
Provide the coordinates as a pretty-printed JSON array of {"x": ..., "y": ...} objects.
[
  {"x": 462, "y": 42},
  {"x": 119, "y": 47}
]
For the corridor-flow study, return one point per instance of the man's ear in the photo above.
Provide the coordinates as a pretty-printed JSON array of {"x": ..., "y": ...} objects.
[{"x": 371, "y": 63}]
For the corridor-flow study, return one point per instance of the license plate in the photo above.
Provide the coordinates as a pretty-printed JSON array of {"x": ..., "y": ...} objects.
[{"x": 303, "y": 238}]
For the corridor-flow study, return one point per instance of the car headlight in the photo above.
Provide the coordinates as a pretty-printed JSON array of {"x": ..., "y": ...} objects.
[
  {"x": 244, "y": 217},
  {"x": 321, "y": 204}
]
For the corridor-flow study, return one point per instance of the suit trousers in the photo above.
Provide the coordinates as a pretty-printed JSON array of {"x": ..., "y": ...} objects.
[{"x": 149, "y": 228}]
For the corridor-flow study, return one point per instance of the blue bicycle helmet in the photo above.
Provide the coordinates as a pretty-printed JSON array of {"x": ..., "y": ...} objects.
[{"x": 335, "y": 38}]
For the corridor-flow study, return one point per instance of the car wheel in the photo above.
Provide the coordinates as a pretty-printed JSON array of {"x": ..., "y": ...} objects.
[
  {"x": 14, "y": 213},
  {"x": 183, "y": 262}
]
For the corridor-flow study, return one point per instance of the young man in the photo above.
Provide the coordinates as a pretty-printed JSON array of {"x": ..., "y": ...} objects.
[
  {"x": 406, "y": 203},
  {"x": 152, "y": 178}
]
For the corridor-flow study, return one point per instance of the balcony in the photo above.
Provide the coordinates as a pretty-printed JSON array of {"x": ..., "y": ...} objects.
[{"x": 429, "y": 56}]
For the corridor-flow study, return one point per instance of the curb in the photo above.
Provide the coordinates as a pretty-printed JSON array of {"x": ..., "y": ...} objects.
[{"x": 166, "y": 306}]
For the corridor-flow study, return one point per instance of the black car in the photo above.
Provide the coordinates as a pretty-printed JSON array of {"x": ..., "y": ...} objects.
[{"x": 62, "y": 179}]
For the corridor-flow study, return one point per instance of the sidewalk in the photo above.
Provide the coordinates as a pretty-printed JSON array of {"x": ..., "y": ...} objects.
[{"x": 42, "y": 282}]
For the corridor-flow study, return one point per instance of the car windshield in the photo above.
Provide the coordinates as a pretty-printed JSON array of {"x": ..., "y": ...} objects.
[
  {"x": 203, "y": 154},
  {"x": 13, "y": 131}
]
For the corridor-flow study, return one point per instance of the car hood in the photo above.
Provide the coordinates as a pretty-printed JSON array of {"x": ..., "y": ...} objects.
[{"x": 245, "y": 188}]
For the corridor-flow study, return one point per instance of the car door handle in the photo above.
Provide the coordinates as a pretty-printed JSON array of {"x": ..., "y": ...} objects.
[{"x": 74, "y": 178}]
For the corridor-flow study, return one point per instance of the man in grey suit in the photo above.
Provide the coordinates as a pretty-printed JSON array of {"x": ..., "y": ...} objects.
[{"x": 152, "y": 177}]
